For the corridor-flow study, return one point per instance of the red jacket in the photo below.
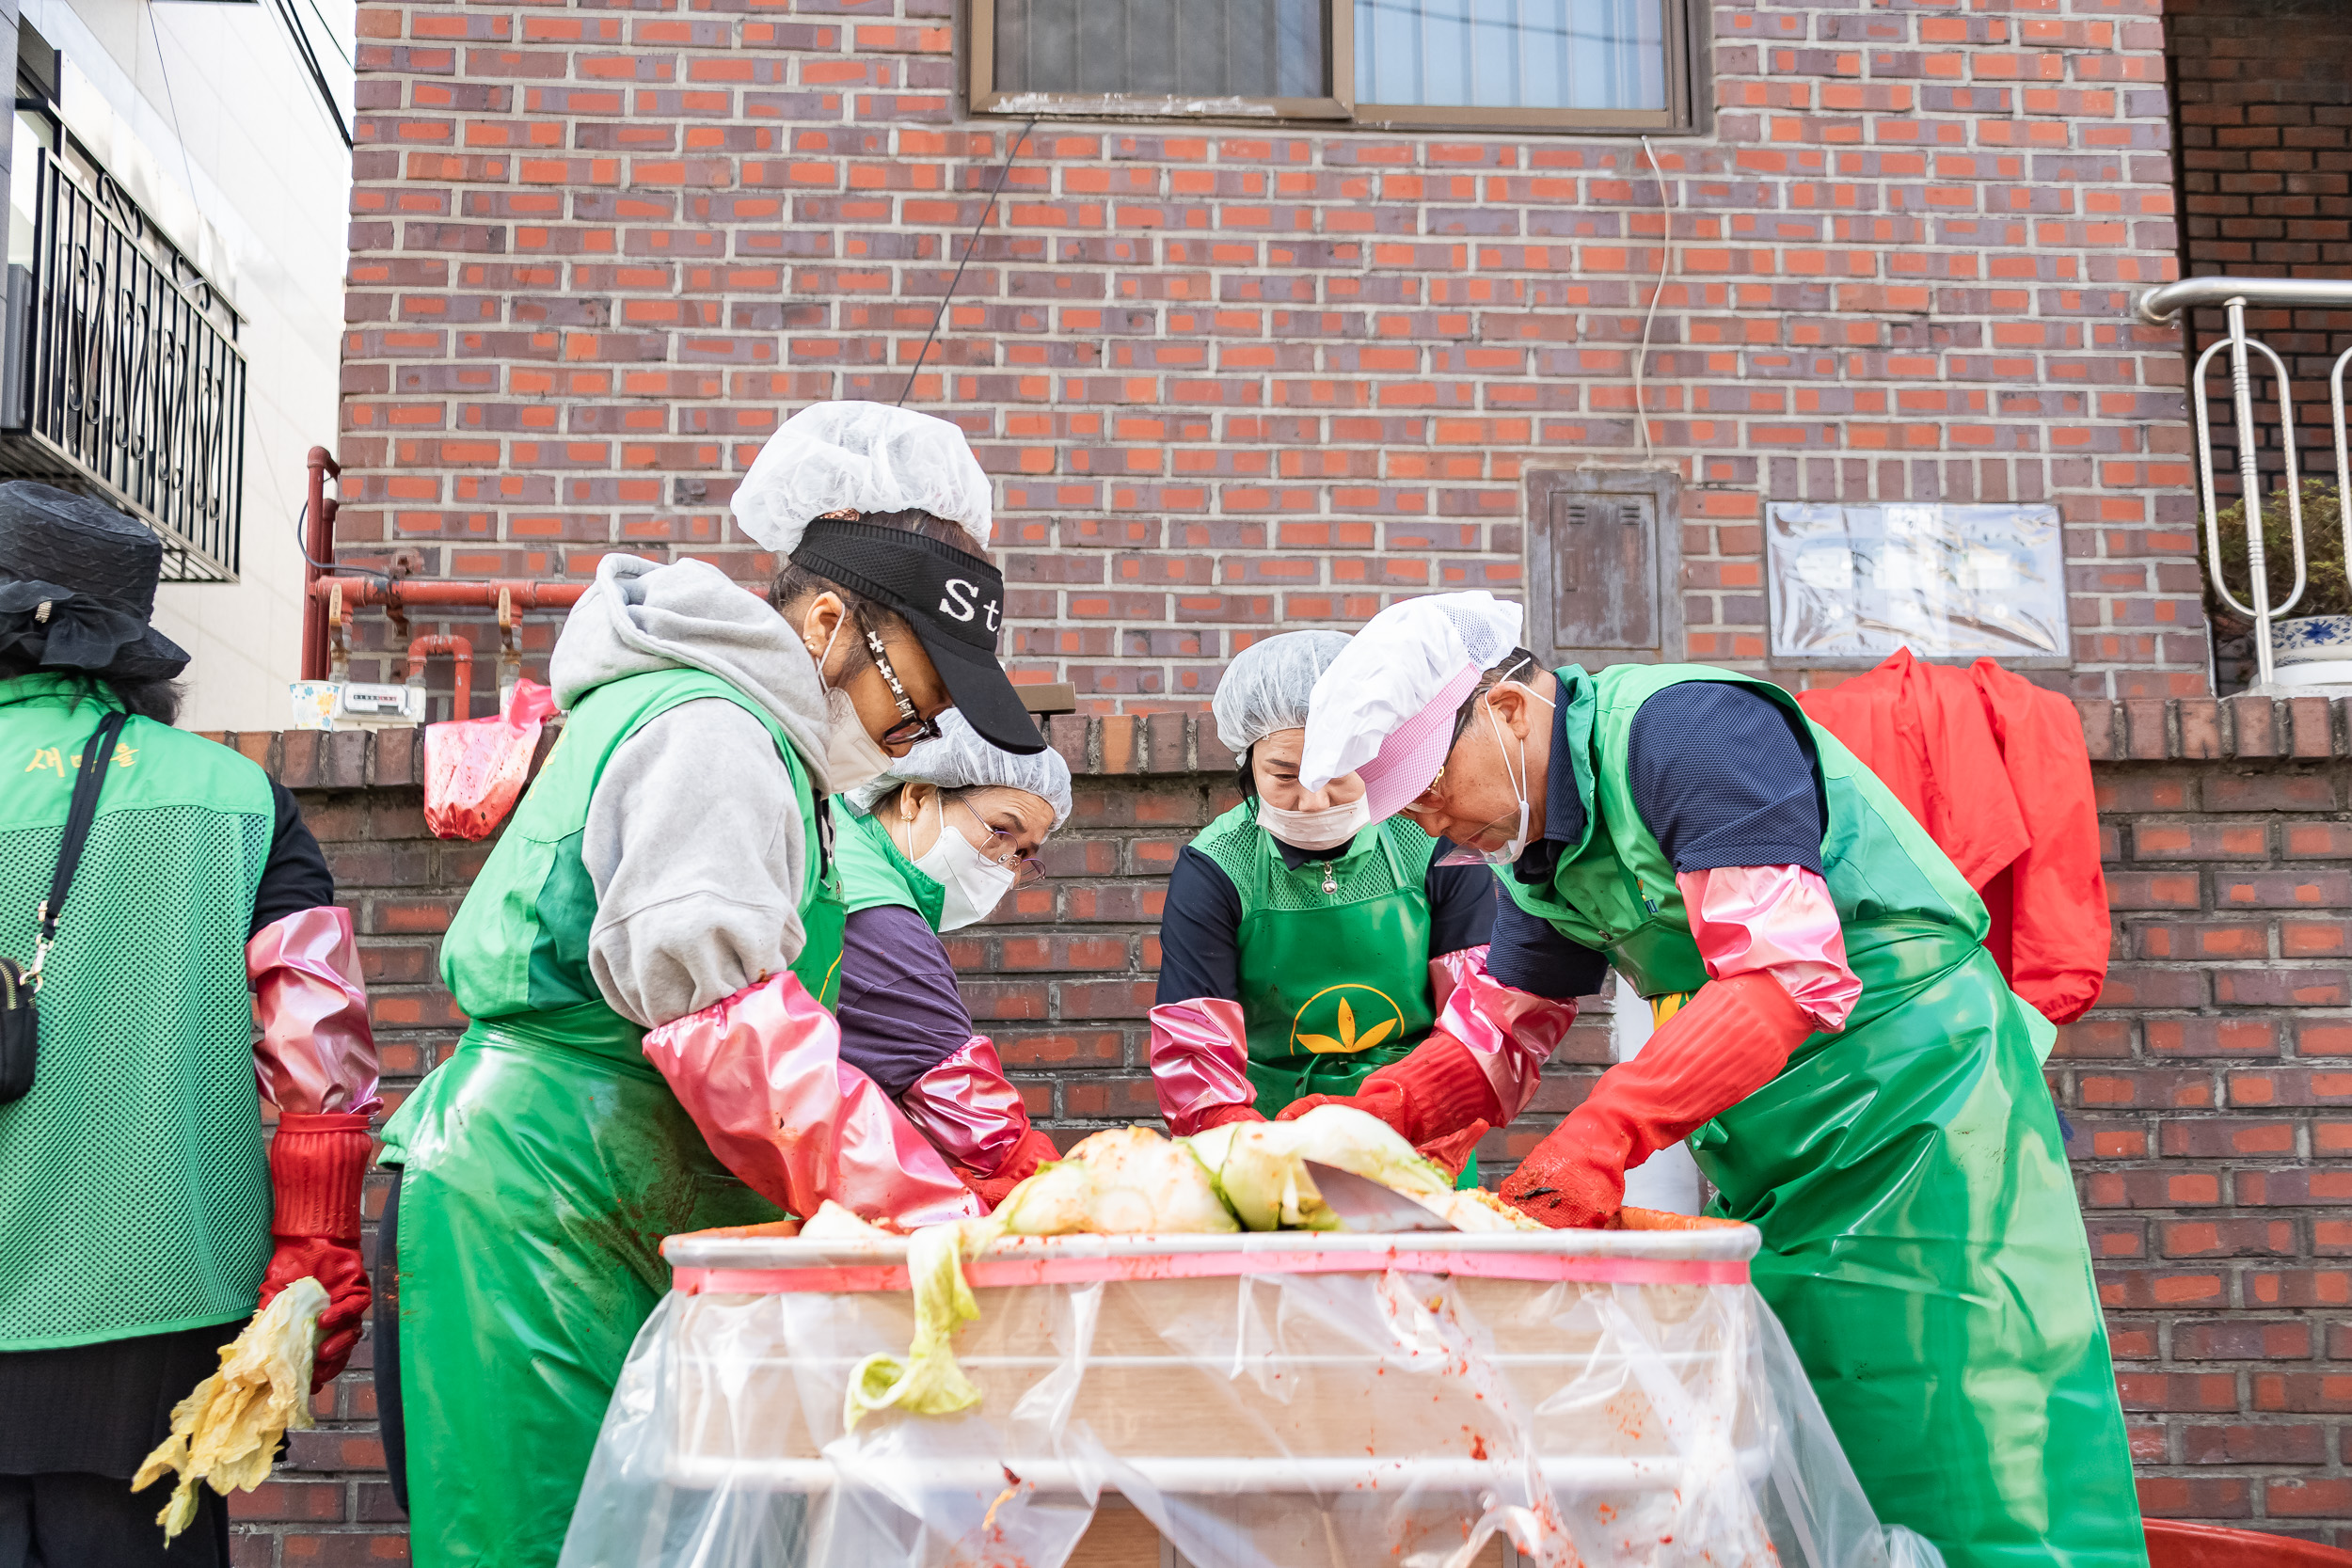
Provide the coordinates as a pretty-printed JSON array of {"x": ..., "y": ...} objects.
[{"x": 1995, "y": 770}]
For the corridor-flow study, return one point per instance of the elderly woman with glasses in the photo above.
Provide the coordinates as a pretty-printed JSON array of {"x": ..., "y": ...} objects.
[{"x": 932, "y": 845}]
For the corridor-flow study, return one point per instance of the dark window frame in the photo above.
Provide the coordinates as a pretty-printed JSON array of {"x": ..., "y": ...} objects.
[{"x": 1684, "y": 27}]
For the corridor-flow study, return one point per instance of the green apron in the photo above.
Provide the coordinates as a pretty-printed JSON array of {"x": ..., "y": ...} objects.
[
  {"x": 1922, "y": 1243},
  {"x": 1334, "y": 956},
  {"x": 543, "y": 1164}
]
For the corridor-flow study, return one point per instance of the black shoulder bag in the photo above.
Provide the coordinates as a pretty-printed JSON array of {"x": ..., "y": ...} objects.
[{"x": 20, "y": 1025}]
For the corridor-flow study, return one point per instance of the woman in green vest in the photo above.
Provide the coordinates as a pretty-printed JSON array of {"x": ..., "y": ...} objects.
[
  {"x": 646, "y": 955},
  {"x": 1306, "y": 950},
  {"x": 931, "y": 847},
  {"x": 1835, "y": 1041},
  {"x": 144, "y": 1207}
]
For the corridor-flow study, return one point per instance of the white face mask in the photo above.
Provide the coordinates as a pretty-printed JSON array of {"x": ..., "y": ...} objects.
[
  {"x": 975, "y": 884},
  {"x": 1508, "y": 854},
  {"x": 851, "y": 756},
  {"x": 1325, "y": 828}
]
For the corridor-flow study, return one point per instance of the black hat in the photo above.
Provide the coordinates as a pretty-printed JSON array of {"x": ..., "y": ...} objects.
[
  {"x": 77, "y": 584},
  {"x": 953, "y": 601}
]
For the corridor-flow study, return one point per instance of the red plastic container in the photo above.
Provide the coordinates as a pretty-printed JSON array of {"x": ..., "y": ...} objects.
[{"x": 2175, "y": 1546}]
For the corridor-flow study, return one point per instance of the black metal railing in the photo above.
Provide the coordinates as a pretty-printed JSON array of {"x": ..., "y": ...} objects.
[{"x": 124, "y": 375}]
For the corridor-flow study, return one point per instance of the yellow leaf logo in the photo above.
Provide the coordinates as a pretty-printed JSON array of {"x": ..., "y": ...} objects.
[{"x": 1347, "y": 1038}]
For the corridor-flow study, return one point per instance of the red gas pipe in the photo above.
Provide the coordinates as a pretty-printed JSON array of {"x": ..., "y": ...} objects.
[
  {"x": 414, "y": 593},
  {"x": 421, "y": 648}
]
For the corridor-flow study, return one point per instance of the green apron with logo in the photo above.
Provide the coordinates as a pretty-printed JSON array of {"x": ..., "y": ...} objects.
[
  {"x": 874, "y": 872},
  {"x": 1922, "y": 1243},
  {"x": 135, "y": 1192},
  {"x": 544, "y": 1163},
  {"x": 1334, "y": 956}
]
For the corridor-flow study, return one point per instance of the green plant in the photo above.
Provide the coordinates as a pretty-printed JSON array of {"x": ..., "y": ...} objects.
[{"x": 2326, "y": 593}]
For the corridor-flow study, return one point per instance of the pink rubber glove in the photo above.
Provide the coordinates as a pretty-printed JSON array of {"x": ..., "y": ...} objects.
[
  {"x": 760, "y": 1073},
  {"x": 1199, "y": 1057},
  {"x": 316, "y": 1054}
]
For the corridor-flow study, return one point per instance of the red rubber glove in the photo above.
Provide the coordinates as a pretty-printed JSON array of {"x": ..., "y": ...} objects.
[
  {"x": 316, "y": 1164},
  {"x": 1731, "y": 1040},
  {"x": 1220, "y": 1114},
  {"x": 1034, "y": 1150},
  {"x": 1435, "y": 1092}
]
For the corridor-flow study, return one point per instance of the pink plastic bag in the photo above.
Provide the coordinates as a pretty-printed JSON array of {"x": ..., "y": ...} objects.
[{"x": 475, "y": 767}]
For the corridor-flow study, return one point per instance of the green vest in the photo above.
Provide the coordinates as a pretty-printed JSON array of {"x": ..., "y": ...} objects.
[
  {"x": 1921, "y": 1241},
  {"x": 874, "y": 872},
  {"x": 135, "y": 1192},
  {"x": 519, "y": 944},
  {"x": 1334, "y": 956},
  {"x": 1615, "y": 891}
]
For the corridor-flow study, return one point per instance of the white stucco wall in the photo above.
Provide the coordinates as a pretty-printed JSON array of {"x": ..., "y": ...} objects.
[{"x": 272, "y": 181}]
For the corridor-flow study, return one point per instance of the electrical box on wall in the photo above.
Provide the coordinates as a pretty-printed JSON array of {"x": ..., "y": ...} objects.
[{"x": 1604, "y": 578}]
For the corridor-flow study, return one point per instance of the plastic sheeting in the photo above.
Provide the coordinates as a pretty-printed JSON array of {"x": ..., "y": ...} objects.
[{"x": 1274, "y": 1401}]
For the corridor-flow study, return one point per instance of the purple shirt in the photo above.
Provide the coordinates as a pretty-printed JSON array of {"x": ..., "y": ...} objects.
[{"x": 899, "y": 1011}]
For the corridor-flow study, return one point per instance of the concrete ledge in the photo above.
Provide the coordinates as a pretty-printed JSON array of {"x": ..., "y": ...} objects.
[
  {"x": 2206, "y": 729},
  {"x": 2179, "y": 729}
]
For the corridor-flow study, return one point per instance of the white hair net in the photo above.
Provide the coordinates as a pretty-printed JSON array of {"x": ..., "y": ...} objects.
[
  {"x": 1266, "y": 688},
  {"x": 1393, "y": 668},
  {"x": 961, "y": 759},
  {"x": 861, "y": 457}
]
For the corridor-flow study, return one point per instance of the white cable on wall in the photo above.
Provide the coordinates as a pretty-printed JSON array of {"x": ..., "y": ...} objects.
[{"x": 1665, "y": 260}]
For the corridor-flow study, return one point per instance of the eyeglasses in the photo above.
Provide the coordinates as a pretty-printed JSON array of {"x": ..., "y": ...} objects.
[
  {"x": 912, "y": 726},
  {"x": 1003, "y": 852}
]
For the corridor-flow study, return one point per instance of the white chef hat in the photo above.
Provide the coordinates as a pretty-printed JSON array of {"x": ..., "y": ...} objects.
[
  {"x": 962, "y": 758},
  {"x": 861, "y": 457},
  {"x": 1268, "y": 688},
  {"x": 1384, "y": 710}
]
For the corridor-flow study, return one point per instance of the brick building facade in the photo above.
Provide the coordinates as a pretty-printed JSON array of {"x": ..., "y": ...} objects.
[
  {"x": 2210, "y": 1093},
  {"x": 1232, "y": 376}
]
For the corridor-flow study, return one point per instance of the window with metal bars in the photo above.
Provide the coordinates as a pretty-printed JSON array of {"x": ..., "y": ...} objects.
[{"x": 1580, "y": 64}]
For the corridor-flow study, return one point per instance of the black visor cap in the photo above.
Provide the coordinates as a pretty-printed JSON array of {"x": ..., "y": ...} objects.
[{"x": 952, "y": 601}]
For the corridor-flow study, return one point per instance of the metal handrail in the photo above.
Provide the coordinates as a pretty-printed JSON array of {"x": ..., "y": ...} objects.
[{"x": 2162, "y": 306}]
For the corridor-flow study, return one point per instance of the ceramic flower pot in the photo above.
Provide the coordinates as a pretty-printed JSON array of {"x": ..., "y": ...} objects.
[{"x": 2313, "y": 650}]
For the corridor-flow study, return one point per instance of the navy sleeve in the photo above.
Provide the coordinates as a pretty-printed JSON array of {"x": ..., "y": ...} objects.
[
  {"x": 295, "y": 878},
  {"x": 899, "y": 1011},
  {"x": 1528, "y": 955},
  {"x": 1721, "y": 778},
  {"x": 1461, "y": 904},
  {"x": 1199, "y": 953}
]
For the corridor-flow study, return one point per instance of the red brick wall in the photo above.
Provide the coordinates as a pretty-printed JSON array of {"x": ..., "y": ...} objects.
[
  {"x": 2265, "y": 102},
  {"x": 1237, "y": 377},
  {"x": 2210, "y": 1092}
]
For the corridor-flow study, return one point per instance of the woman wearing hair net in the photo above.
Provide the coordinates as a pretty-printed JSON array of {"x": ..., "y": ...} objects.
[
  {"x": 1841, "y": 1051},
  {"x": 645, "y": 959},
  {"x": 932, "y": 845},
  {"x": 1309, "y": 950}
]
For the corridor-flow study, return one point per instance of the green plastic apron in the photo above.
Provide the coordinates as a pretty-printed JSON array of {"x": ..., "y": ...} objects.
[
  {"x": 1334, "y": 956},
  {"x": 542, "y": 1166},
  {"x": 1921, "y": 1240}
]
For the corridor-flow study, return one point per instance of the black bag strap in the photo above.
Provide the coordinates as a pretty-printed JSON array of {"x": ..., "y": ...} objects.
[{"x": 97, "y": 753}]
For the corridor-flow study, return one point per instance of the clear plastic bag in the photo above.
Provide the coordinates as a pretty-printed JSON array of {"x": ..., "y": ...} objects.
[
  {"x": 1275, "y": 1400},
  {"x": 475, "y": 768}
]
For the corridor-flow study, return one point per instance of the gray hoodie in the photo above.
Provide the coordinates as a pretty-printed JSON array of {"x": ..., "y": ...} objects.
[{"x": 694, "y": 840}]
